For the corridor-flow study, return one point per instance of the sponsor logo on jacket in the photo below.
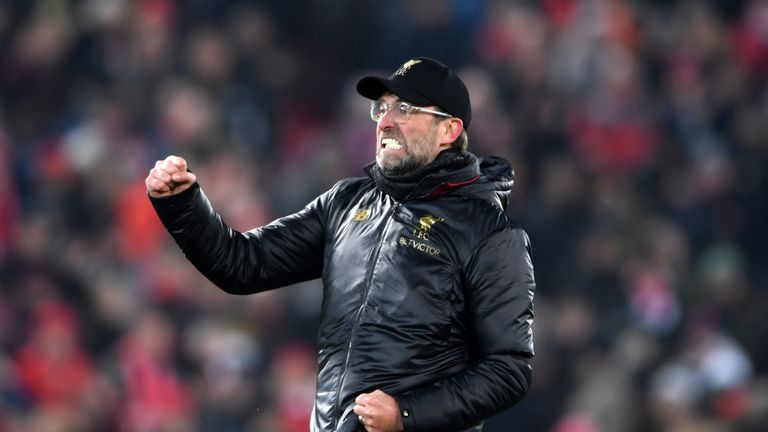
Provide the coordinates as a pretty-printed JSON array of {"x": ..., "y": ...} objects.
[{"x": 361, "y": 215}]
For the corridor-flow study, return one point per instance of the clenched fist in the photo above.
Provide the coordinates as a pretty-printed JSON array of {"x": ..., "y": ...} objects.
[
  {"x": 378, "y": 412},
  {"x": 169, "y": 177}
]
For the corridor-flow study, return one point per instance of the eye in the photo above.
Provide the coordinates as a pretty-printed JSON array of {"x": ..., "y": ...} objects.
[
  {"x": 403, "y": 109},
  {"x": 378, "y": 109}
]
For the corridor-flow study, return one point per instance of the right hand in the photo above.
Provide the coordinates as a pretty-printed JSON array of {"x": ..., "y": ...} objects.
[{"x": 169, "y": 177}]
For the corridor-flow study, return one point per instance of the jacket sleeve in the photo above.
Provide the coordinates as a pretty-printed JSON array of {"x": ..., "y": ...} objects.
[
  {"x": 499, "y": 298},
  {"x": 286, "y": 251}
]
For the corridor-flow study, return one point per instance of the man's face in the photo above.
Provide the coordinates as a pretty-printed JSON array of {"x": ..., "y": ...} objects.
[{"x": 404, "y": 147}]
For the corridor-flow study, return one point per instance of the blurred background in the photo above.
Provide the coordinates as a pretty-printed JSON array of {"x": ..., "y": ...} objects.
[{"x": 638, "y": 131}]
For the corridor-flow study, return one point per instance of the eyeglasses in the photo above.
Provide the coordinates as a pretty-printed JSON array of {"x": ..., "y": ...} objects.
[{"x": 401, "y": 111}]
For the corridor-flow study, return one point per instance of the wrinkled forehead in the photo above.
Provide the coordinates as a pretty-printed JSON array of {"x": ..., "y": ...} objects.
[{"x": 390, "y": 98}]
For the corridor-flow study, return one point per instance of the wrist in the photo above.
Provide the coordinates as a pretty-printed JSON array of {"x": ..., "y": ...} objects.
[{"x": 405, "y": 419}]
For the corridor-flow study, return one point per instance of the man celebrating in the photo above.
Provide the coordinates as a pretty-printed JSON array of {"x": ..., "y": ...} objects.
[{"x": 428, "y": 287}]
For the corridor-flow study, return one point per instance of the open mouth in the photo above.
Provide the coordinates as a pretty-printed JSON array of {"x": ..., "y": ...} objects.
[{"x": 391, "y": 144}]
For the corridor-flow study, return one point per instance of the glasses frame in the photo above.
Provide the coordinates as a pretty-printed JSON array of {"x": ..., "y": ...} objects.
[{"x": 409, "y": 109}]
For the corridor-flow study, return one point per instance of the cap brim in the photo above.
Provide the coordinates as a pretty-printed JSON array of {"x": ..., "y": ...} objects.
[{"x": 373, "y": 87}]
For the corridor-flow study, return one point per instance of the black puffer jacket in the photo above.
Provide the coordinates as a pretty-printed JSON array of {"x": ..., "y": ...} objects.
[{"x": 428, "y": 289}]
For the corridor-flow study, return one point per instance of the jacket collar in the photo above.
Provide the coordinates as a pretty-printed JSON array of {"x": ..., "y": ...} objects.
[{"x": 451, "y": 170}]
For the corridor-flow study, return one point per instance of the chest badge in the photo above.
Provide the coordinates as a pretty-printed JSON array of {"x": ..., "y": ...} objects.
[
  {"x": 425, "y": 224},
  {"x": 422, "y": 235}
]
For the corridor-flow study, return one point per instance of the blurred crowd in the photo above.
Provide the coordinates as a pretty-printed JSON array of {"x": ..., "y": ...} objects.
[{"x": 639, "y": 135}]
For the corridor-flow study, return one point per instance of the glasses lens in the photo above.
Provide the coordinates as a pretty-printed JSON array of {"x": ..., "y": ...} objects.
[
  {"x": 401, "y": 111},
  {"x": 378, "y": 109}
]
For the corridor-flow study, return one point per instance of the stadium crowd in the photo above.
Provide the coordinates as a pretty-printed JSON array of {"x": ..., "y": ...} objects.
[{"x": 639, "y": 135}]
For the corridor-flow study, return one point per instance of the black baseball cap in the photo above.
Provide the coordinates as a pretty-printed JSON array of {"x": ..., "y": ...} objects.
[{"x": 423, "y": 81}]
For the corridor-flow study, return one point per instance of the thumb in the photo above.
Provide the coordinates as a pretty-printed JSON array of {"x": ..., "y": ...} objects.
[{"x": 184, "y": 178}]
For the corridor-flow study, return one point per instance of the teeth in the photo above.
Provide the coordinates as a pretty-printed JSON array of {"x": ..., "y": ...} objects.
[{"x": 391, "y": 143}]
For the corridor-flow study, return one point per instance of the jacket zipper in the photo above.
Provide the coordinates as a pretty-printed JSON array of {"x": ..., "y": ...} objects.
[{"x": 366, "y": 289}]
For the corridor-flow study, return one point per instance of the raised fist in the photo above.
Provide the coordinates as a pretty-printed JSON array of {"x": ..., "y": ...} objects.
[{"x": 169, "y": 177}]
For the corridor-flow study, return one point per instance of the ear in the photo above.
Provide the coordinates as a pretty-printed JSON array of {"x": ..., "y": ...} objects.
[{"x": 450, "y": 129}]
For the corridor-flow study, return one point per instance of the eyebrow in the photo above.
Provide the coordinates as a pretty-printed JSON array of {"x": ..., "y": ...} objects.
[{"x": 397, "y": 99}]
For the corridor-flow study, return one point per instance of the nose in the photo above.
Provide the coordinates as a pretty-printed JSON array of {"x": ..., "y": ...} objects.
[{"x": 387, "y": 121}]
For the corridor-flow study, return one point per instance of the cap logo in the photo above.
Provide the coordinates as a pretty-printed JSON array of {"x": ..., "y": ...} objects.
[{"x": 407, "y": 66}]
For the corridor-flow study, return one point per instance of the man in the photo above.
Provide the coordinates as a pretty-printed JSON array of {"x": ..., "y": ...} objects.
[{"x": 428, "y": 288}]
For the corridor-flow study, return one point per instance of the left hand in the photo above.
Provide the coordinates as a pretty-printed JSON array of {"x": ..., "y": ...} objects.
[{"x": 379, "y": 412}]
